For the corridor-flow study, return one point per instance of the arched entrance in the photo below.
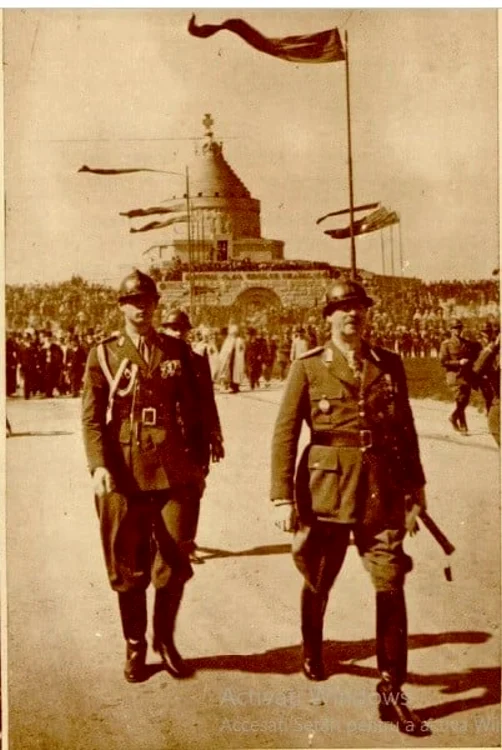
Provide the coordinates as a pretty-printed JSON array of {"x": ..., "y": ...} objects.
[{"x": 255, "y": 306}]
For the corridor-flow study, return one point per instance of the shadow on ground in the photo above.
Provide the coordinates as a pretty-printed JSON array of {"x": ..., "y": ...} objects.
[{"x": 341, "y": 657}]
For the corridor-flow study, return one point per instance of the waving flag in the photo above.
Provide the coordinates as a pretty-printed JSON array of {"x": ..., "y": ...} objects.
[
  {"x": 365, "y": 207},
  {"x": 161, "y": 224},
  {"x": 91, "y": 170},
  {"x": 135, "y": 212},
  {"x": 323, "y": 47},
  {"x": 379, "y": 219}
]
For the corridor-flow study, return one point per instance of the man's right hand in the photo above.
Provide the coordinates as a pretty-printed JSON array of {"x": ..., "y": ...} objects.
[
  {"x": 102, "y": 481},
  {"x": 285, "y": 515}
]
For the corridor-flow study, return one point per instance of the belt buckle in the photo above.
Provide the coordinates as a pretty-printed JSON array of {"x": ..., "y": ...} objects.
[
  {"x": 149, "y": 416},
  {"x": 366, "y": 438}
]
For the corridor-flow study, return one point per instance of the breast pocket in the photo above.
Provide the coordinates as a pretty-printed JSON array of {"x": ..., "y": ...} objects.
[
  {"x": 324, "y": 478},
  {"x": 324, "y": 404}
]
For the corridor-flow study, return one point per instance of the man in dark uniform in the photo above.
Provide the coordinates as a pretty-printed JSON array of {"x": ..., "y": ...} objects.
[
  {"x": 141, "y": 424},
  {"x": 177, "y": 324},
  {"x": 360, "y": 473},
  {"x": 456, "y": 356},
  {"x": 487, "y": 369}
]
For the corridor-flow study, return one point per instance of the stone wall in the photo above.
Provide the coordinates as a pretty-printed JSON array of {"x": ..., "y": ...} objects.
[{"x": 298, "y": 289}]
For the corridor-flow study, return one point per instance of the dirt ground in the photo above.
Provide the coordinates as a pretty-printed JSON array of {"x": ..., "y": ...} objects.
[{"x": 239, "y": 623}]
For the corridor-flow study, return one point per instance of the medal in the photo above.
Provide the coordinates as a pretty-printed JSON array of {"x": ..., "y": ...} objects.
[{"x": 324, "y": 405}]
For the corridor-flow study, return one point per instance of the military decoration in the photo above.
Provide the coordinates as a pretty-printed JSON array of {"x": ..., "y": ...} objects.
[
  {"x": 169, "y": 368},
  {"x": 324, "y": 405}
]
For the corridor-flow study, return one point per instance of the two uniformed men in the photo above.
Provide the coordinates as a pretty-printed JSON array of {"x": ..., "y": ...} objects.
[
  {"x": 361, "y": 474},
  {"x": 144, "y": 439}
]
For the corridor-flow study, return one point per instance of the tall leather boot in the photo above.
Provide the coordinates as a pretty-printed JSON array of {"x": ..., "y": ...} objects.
[
  {"x": 132, "y": 605},
  {"x": 392, "y": 651},
  {"x": 167, "y": 604},
  {"x": 313, "y": 607}
]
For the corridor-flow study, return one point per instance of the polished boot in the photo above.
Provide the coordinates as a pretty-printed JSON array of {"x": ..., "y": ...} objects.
[
  {"x": 313, "y": 606},
  {"x": 134, "y": 668},
  {"x": 132, "y": 606},
  {"x": 392, "y": 651},
  {"x": 167, "y": 603}
]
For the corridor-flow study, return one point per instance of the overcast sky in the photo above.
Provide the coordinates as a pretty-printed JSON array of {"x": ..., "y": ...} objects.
[{"x": 122, "y": 88}]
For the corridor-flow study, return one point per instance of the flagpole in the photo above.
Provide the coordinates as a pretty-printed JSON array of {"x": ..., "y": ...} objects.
[
  {"x": 353, "y": 264},
  {"x": 392, "y": 249},
  {"x": 382, "y": 248},
  {"x": 189, "y": 237},
  {"x": 400, "y": 248}
]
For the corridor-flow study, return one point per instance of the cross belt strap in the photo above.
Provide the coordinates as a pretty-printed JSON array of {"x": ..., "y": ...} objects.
[{"x": 113, "y": 380}]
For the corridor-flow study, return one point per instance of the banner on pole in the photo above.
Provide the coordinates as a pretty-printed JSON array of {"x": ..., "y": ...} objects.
[{"x": 323, "y": 47}]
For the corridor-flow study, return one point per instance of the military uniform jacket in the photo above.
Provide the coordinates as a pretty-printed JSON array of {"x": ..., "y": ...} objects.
[
  {"x": 450, "y": 354},
  {"x": 142, "y": 421},
  {"x": 363, "y": 454}
]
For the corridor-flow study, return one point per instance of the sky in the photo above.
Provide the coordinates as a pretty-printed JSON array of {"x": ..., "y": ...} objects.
[{"x": 130, "y": 88}]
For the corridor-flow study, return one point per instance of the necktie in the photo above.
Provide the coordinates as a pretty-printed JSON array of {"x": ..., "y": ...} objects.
[
  {"x": 355, "y": 363},
  {"x": 143, "y": 349}
]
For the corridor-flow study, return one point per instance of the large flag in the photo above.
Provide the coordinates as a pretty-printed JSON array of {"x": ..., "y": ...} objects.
[
  {"x": 323, "y": 47},
  {"x": 161, "y": 224},
  {"x": 379, "y": 219},
  {"x": 135, "y": 212}
]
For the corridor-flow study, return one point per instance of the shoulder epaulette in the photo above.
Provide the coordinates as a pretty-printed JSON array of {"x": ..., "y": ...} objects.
[
  {"x": 311, "y": 352},
  {"x": 115, "y": 336}
]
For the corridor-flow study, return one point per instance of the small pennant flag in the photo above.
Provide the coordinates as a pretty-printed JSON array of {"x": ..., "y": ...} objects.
[
  {"x": 323, "y": 47},
  {"x": 160, "y": 224},
  {"x": 136, "y": 212},
  {"x": 92, "y": 170},
  {"x": 365, "y": 207}
]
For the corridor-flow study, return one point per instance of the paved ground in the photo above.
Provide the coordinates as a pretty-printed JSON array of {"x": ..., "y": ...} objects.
[{"x": 239, "y": 621}]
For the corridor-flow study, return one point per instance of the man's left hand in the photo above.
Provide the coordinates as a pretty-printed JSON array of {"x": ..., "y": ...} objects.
[{"x": 415, "y": 503}]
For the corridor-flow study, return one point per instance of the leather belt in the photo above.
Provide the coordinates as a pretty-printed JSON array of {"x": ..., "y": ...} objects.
[{"x": 344, "y": 438}]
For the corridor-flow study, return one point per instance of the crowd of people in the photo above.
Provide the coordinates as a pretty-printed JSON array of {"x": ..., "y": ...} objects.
[{"x": 51, "y": 329}]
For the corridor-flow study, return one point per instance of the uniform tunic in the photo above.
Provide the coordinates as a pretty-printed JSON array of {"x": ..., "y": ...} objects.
[
  {"x": 361, "y": 461},
  {"x": 141, "y": 421}
]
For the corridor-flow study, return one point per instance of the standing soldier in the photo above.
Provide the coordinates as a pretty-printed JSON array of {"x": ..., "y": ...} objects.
[
  {"x": 360, "y": 473},
  {"x": 456, "y": 356},
  {"x": 177, "y": 325},
  {"x": 141, "y": 429}
]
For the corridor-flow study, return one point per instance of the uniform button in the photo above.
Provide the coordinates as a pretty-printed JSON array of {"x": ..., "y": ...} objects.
[
  {"x": 362, "y": 414},
  {"x": 373, "y": 495}
]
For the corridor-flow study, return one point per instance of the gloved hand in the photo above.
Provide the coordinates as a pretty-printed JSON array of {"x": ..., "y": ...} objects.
[
  {"x": 102, "y": 481},
  {"x": 415, "y": 503},
  {"x": 285, "y": 517}
]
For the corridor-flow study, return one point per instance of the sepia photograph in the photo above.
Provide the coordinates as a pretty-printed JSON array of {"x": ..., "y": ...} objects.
[{"x": 252, "y": 379}]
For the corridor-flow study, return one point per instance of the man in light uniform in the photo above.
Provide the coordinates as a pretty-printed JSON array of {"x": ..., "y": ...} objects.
[{"x": 360, "y": 473}]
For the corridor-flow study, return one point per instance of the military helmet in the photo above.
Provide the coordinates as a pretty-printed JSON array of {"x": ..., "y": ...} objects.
[
  {"x": 177, "y": 319},
  {"x": 137, "y": 284},
  {"x": 345, "y": 291}
]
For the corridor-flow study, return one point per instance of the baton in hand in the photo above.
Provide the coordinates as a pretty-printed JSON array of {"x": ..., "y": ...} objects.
[{"x": 440, "y": 538}]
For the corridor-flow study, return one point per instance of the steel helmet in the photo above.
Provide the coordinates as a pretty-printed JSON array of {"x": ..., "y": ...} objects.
[
  {"x": 344, "y": 291},
  {"x": 137, "y": 284}
]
